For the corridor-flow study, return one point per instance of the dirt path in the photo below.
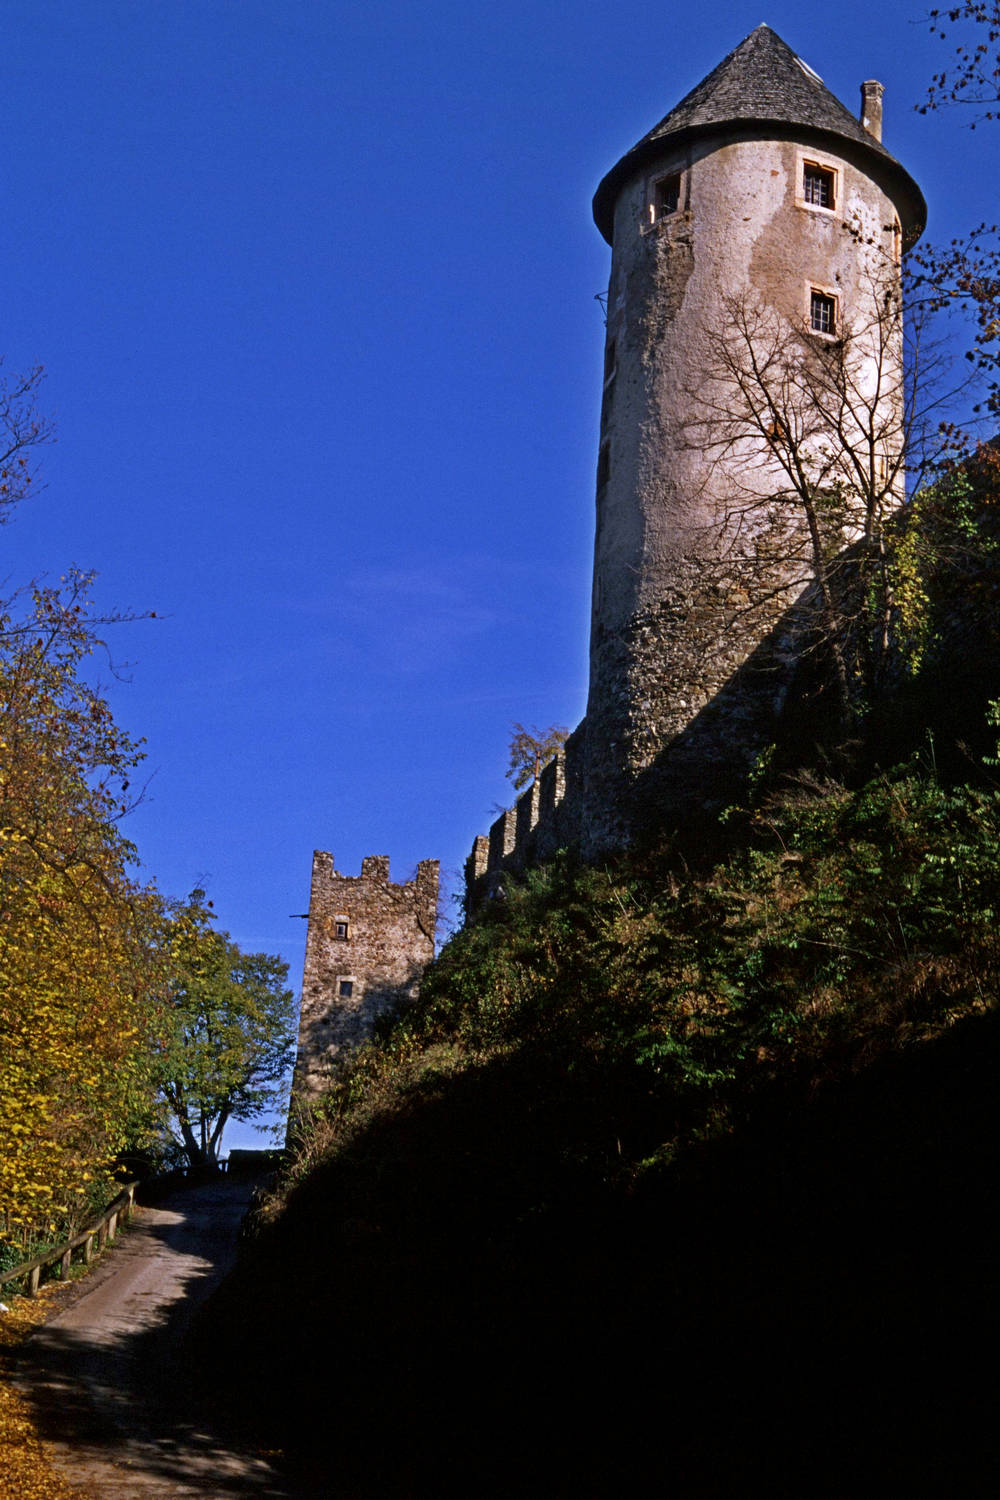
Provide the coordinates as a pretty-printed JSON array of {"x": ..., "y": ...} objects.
[{"x": 105, "y": 1377}]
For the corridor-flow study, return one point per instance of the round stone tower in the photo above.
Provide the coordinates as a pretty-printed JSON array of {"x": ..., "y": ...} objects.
[{"x": 759, "y": 204}]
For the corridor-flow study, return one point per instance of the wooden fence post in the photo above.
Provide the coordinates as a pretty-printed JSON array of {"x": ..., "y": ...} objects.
[{"x": 102, "y": 1233}]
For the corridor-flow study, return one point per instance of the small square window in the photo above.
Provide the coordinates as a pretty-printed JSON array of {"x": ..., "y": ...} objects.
[
  {"x": 817, "y": 186},
  {"x": 345, "y": 989},
  {"x": 666, "y": 197},
  {"x": 822, "y": 313},
  {"x": 340, "y": 930}
]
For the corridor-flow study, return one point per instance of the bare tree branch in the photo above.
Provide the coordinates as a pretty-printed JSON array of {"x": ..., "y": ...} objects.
[{"x": 807, "y": 436}]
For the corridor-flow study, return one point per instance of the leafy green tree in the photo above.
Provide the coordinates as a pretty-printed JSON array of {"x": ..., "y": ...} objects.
[
  {"x": 532, "y": 749},
  {"x": 229, "y": 1032}
]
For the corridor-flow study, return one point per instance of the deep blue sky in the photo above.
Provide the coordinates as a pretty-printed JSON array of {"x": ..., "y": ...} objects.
[{"x": 314, "y": 284}]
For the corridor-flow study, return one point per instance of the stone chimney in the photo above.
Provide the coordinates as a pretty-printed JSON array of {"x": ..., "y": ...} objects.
[{"x": 871, "y": 108}]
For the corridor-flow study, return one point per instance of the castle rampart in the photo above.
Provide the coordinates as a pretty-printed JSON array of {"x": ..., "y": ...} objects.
[{"x": 543, "y": 820}]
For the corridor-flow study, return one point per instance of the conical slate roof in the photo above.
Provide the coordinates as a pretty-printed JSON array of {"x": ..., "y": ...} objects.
[{"x": 762, "y": 88}]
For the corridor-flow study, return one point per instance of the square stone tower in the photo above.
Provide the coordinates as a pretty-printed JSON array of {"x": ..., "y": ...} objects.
[{"x": 368, "y": 942}]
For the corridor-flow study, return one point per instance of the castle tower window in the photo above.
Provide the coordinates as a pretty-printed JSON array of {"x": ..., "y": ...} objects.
[
  {"x": 603, "y": 465},
  {"x": 345, "y": 989},
  {"x": 822, "y": 312},
  {"x": 666, "y": 197},
  {"x": 341, "y": 929},
  {"x": 818, "y": 186}
]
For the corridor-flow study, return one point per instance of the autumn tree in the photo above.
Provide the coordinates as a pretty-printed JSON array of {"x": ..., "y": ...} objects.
[
  {"x": 78, "y": 965},
  {"x": 964, "y": 277},
  {"x": 531, "y": 750},
  {"x": 946, "y": 560},
  {"x": 973, "y": 80},
  {"x": 229, "y": 1035},
  {"x": 965, "y": 274}
]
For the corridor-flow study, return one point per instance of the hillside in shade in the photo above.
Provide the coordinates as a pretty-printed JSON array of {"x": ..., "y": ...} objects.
[{"x": 680, "y": 1177}]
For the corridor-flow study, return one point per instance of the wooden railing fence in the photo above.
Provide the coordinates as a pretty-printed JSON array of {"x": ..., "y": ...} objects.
[{"x": 102, "y": 1232}]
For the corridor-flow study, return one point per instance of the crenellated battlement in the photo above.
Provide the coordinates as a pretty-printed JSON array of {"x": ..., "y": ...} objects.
[
  {"x": 545, "y": 818},
  {"x": 367, "y": 943}
]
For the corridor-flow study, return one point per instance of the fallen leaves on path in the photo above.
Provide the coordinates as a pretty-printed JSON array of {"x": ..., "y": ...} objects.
[{"x": 24, "y": 1471}]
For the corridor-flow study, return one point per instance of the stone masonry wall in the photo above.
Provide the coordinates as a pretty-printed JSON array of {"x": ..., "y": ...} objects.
[
  {"x": 701, "y": 566},
  {"x": 367, "y": 943}
]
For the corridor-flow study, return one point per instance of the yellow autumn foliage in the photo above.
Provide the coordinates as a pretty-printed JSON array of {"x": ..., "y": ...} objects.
[
  {"x": 78, "y": 960},
  {"x": 25, "y": 1471}
]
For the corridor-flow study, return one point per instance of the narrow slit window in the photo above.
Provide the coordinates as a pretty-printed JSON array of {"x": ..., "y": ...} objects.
[
  {"x": 666, "y": 196},
  {"x": 817, "y": 186},
  {"x": 822, "y": 313},
  {"x": 603, "y": 465}
]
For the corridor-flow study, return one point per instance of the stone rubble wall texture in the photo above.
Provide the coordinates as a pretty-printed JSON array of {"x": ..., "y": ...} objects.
[
  {"x": 389, "y": 942},
  {"x": 701, "y": 588},
  {"x": 696, "y": 576}
]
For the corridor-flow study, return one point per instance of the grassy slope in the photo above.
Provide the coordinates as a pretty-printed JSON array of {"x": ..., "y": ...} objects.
[
  {"x": 678, "y": 1182},
  {"x": 681, "y": 1179}
]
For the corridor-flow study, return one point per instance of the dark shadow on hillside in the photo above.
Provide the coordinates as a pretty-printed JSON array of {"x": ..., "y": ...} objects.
[
  {"x": 781, "y": 700},
  {"x": 460, "y": 1304},
  {"x": 125, "y": 1394}
]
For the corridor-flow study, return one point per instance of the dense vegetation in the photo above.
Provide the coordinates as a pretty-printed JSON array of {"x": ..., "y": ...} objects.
[{"x": 678, "y": 1178}]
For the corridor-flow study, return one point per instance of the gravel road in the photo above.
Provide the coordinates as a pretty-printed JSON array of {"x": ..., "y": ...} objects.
[{"x": 104, "y": 1374}]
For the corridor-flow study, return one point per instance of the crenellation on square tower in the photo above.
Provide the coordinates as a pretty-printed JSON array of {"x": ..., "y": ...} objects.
[{"x": 367, "y": 943}]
